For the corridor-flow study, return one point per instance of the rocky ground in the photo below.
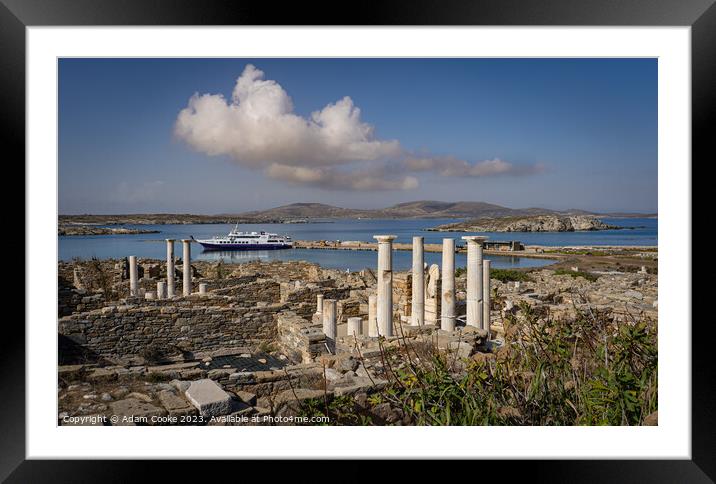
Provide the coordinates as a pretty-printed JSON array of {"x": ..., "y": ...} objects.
[
  {"x": 280, "y": 379},
  {"x": 538, "y": 223}
]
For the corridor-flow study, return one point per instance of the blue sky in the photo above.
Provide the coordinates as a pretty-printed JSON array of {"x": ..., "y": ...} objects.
[{"x": 554, "y": 133}]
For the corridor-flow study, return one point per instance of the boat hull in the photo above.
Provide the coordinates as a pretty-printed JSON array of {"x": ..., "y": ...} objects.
[{"x": 209, "y": 246}]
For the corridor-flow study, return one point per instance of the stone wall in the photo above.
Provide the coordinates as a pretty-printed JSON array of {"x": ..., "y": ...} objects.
[
  {"x": 403, "y": 293},
  {"x": 70, "y": 300},
  {"x": 298, "y": 338},
  {"x": 267, "y": 291},
  {"x": 132, "y": 329}
]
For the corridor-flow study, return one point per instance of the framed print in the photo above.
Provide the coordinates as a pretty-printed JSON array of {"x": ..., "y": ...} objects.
[{"x": 411, "y": 233}]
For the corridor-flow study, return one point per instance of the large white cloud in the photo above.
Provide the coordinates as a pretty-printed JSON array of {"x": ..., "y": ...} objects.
[
  {"x": 332, "y": 148},
  {"x": 258, "y": 127}
]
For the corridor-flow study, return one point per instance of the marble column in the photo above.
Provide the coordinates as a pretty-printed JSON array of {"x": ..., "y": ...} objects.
[
  {"x": 474, "y": 280},
  {"x": 161, "y": 290},
  {"x": 186, "y": 257},
  {"x": 355, "y": 326},
  {"x": 133, "y": 276},
  {"x": 203, "y": 287},
  {"x": 486, "y": 296},
  {"x": 170, "y": 268},
  {"x": 418, "y": 303},
  {"x": 385, "y": 284},
  {"x": 447, "y": 301},
  {"x": 372, "y": 315},
  {"x": 319, "y": 304},
  {"x": 329, "y": 324}
]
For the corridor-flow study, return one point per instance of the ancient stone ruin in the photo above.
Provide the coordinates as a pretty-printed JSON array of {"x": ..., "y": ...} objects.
[{"x": 136, "y": 340}]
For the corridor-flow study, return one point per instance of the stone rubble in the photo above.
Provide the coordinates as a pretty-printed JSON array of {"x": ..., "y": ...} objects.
[{"x": 253, "y": 342}]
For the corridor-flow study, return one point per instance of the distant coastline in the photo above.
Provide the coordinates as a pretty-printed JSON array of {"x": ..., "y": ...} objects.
[
  {"x": 82, "y": 229},
  {"x": 322, "y": 213}
]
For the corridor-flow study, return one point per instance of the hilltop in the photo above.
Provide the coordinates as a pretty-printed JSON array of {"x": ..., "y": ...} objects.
[
  {"x": 415, "y": 209},
  {"x": 304, "y": 211}
]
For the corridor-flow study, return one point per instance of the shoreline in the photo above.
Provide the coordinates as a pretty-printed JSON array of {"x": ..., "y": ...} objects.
[{"x": 534, "y": 251}]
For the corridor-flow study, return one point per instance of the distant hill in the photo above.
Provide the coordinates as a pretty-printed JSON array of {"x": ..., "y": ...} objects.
[
  {"x": 303, "y": 210},
  {"x": 310, "y": 211},
  {"x": 416, "y": 209}
]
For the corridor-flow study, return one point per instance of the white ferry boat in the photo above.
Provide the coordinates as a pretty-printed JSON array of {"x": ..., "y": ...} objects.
[{"x": 237, "y": 240}]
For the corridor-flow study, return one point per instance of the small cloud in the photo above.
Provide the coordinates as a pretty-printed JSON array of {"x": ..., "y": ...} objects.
[
  {"x": 333, "y": 179},
  {"x": 448, "y": 166}
]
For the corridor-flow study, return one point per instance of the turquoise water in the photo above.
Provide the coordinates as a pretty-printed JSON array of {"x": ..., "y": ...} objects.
[{"x": 153, "y": 245}]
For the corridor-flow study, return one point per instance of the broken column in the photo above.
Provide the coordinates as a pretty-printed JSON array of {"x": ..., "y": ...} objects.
[
  {"x": 447, "y": 302},
  {"x": 486, "y": 297},
  {"x": 474, "y": 280},
  {"x": 418, "y": 304},
  {"x": 355, "y": 326},
  {"x": 432, "y": 296},
  {"x": 372, "y": 315},
  {"x": 161, "y": 290},
  {"x": 319, "y": 304},
  {"x": 385, "y": 284},
  {"x": 203, "y": 287},
  {"x": 186, "y": 257},
  {"x": 170, "y": 268},
  {"x": 133, "y": 279},
  {"x": 329, "y": 324}
]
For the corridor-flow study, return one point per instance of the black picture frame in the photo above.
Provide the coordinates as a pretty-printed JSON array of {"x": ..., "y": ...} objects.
[{"x": 700, "y": 15}]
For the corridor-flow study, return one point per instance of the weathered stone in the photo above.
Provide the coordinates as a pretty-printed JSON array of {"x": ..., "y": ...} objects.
[
  {"x": 463, "y": 349},
  {"x": 246, "y": 397},
  {"x": 131, "y": 411},
  {"x": 209, "y": 398},
  {"x": 180, "y": 385},
  {"x": 101, "y": 375},
  {"x": 140, "y": 396},
  {"x": 332, "y": 375},
  {"x": 175, "y": 405},
  {"x": 70, "y": 372},
  {"x": 348, "y": 364}
]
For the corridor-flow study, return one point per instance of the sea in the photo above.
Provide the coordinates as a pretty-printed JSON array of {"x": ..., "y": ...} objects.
[{"x": 637, "y": 232}]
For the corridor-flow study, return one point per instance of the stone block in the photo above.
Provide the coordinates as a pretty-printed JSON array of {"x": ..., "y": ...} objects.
[
  {"x": 175, "y": 405},
  {"x": 131, "y": 411},
  {"x": 209, "y": 398},
  {"x": 247, "y": 397},
  {"x": 101, "y": 375}
]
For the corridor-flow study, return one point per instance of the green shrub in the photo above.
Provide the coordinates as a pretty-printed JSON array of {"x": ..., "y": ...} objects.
[
  {"x": 504, "y": 275},
  {"x": 584, "y": 370},
  {"x": 587, "y": 275}
]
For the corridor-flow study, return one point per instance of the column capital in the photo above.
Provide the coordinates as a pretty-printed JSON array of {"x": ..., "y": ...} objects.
[
  {"x": 186, "y": 240},
  {"x": 170, "y": 240},
  {"x": 384, "y": 238},
  {"x": 475, "y": 238},
  {"x": 418, "y": 237}
]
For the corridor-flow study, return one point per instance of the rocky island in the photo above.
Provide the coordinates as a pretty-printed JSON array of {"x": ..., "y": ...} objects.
[
  {"x": 537, "y": 223},
  {"x": 94, "y": 230}
]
